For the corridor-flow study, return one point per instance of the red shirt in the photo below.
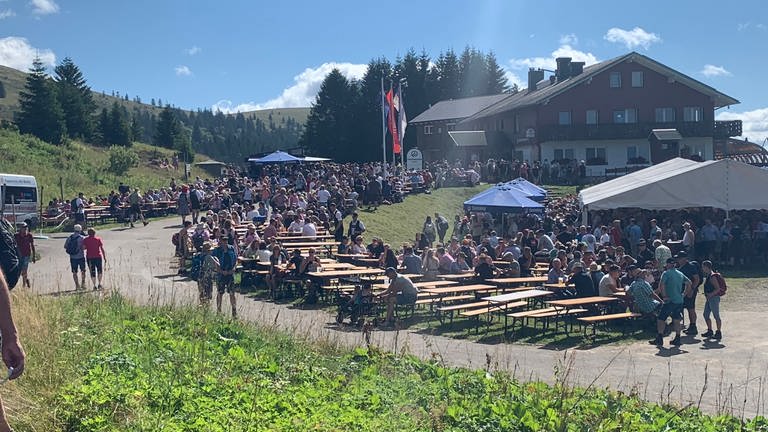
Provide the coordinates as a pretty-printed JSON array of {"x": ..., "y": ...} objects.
[
  {"x": 92, "y": 246},
  {"x": 24, "y": 243}
]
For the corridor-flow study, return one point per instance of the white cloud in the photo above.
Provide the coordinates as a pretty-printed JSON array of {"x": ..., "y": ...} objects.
[
  {"x": 182, "y": 70},
  {"x": 637, "y": 37},
  {"x": 754, "y": 123},
  {"x": 569, "y": 39},
  {"x": 747, "y": 25},
  {"x": 563, "y": 50},
  {"x": 713, "y": 71},
  {"x": 7, "y": 14},
  {"x": 301, "y": 94},
  {"x": 17, "y": 53},
  {"x": 193, "y": 50},
  {"x": 761, "y": 26},
  {"x": 44, "y": 7}
]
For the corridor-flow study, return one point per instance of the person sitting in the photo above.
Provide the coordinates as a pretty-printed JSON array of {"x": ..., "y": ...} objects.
[
  {"x": 608, "y": 285},
  {"x": 445, "y": 261},
  {"x": 583, "y": 286},
  {"x": 411, "y": 262},
  {"x": 400, "y": 291},
  {"x": 460, "y": 265},
  {"x": 556, "y": 273},
  {"x": 646, "y": 301},
  {"x": 485, "y": 269}
]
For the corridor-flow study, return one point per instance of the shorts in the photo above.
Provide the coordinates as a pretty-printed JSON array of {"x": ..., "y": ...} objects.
[
  {"x": 672, "y": 310},
  {"x": 226, "y": 283},
  {"x": 135, "y": 210},
  {"x": 79, "y": 217},
  {"x": 404, "y": 299},
  {"x": 23, "y": 262},
  {"x": 77, "y": 263},
  {"x": 95, "y": 264},
  {"x": 690, "y": 302}
]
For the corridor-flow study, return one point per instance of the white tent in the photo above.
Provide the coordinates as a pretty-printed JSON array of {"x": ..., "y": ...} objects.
[{"x": 681, "y": 183}]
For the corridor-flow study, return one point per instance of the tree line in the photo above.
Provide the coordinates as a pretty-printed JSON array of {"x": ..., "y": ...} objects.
[
  {"x": 60, "y": 107},
  {"x": 345, "y": 119}
]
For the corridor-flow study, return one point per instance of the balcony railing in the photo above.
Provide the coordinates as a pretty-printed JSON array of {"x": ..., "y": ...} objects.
[{"x": 717, "y": 129}]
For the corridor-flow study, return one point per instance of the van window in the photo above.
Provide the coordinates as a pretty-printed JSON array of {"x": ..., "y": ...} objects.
[{"x": 19, "y": 194}]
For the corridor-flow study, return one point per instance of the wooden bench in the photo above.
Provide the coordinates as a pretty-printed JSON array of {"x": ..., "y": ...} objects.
[
  {"x": 523, "y": 316},
  {"x": 495, "y": 308},
  {"x": 593, "y": 321},
  {"x": 432, "y": 300},
  {"x": 557, "y": 314}
]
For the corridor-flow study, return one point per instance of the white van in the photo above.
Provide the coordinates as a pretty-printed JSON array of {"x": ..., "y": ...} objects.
[{"x": 18, "y": 198}]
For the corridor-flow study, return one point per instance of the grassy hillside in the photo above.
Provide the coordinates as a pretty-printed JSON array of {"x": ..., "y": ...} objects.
[
  {"x": 81, "y": 167},
  {"x": 298, "y": 114},
  {"x": 110, "y": 366}
]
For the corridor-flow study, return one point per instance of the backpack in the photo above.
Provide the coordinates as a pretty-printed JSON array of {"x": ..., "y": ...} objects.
[
  {"x": 442, "y": 224},
  {"x": 71, "y": 245},
  {"x": 9, "y": 254},
  {"x": 721, "y": 283},
  {"x": 175, "y": 239},
  {"x": 73, "y": 205}
]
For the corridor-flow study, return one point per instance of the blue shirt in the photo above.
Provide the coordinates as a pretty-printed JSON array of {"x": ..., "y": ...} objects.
[
  {"x": 674, "y": 283},
  {"x": 227, "y": 257}
]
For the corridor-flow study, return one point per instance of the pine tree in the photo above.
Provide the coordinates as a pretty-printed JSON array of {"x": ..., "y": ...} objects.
[
  {"x": 40, "y": 113},
  {"x": 2, "y": 90},
  {"x": 497, "y": 78},
  {"x": 331, "y": 120},
  {"x": 119, "y": 127},
  {"x": 167, "y": 129},
  {"x": 137, "y": 132},
  {"x": 75, "y": 98},
  {"x": 104, "y": 128}
]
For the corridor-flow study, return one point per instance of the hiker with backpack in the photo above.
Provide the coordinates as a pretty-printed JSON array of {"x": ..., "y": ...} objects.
[
  {"x": 135, "y": 212},
  {"x": 95, "y": 257},
  {"x": 74, "y": 248},
  {"x": 714, "y": 288}
]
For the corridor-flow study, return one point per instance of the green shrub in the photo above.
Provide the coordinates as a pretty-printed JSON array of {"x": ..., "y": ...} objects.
[{"x": 121, "y": 159}]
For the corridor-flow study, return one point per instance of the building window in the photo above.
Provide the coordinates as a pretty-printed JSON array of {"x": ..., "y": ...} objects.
[
  {"x": 439, "y": 130},
  {"x": 564, "y": 118},
  {"x": 615, "y": 79},
  {"x": 665, "y": 115},
  {"x": 628, "y": 115},
  {"x": 595, "y": 156},
  {"x": 428, "y": 130},
  {"x": 692, "y": 114},
  {"x": 637, "y": 155},
  {"x": 637, "y": 79},
  {"x": 592, "y": 117},
  {"x": 563, "y": 154}
]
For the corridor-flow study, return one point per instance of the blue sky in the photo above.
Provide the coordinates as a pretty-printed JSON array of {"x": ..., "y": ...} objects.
[{"x": 247, "y": 54}]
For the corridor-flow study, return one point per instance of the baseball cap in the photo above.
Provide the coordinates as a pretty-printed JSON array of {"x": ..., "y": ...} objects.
[{"x": 670, "y": 261}]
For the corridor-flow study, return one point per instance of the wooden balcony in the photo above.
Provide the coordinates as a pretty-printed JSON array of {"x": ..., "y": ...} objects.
[{"x": 716, "y": 129}]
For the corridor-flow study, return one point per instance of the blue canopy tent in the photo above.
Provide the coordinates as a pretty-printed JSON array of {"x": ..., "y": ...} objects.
[
  {"x": 276, "y": 158},
  {"x": 503, "y": 198},
  {"x": 533, "y": 191}
]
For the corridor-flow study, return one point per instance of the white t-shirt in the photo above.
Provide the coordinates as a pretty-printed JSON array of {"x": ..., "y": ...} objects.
[
  {"x": 323, "y": 196},
  {"x": 605, "y": 239},
  {"x": 296, "y": 226},
  {"x": 309, "y": 230}
]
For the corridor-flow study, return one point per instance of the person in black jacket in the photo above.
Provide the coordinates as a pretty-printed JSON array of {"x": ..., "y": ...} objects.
[{"x": 581, "y": 281}]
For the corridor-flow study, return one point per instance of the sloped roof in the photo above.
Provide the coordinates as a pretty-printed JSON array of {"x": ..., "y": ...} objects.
[
  {"x": 666, "y": 134},
  {"x": 502, "y": 198},
  {"x": 525, "y": 98},
  {"x": 676, "y": 184},
  {"x": 457, "y": 109}
]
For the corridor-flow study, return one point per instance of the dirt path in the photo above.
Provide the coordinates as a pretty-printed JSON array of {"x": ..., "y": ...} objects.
[{"x": 733, "y": 371}]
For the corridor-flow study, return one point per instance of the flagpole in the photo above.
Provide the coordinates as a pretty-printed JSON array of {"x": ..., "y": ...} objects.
[
  {"x": 400, "y": 114},
  {"x": 383, "y": 130}
]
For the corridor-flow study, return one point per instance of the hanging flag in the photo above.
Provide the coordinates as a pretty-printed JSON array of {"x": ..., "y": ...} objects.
[
  {"x": 392, "y": 123},
  {"x": 400, "y": 104}
]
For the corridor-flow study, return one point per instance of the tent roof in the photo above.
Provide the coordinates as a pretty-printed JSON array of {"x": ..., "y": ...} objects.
[
  {"x": 276, "y": 157},
  {"x": 682, "y": 183},
  {"x": 527, "y": 187},
  {"x": 502, "y": 198},
  {"x": 315, "y": 159},
  {"x": 209, "y": 162},
  {"x": 666, "y": 134}
]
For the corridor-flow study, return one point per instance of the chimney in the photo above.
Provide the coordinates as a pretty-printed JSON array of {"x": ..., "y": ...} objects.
[
  {"x": 577, "y": 68},
  {"x": 534, "y": 76},
  {"x": 563, "y": 68}
]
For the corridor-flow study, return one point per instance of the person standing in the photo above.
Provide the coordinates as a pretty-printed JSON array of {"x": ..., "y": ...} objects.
[
  {"x": 442, "y": 227},
  {"x": 672, "y": 287},
  {"x": 429, "y": 231},
  {"x": 692, "y": 271},
  {"x": 74, "y": 248},
  {"x": 356, "y": 227},
  {"x": 207, "y": 275},
  {"x": 713, "y": 289},
  {"x": 13, "y": 353},
  {"x": 26, "y": 245},
  {"x": 78, "y": 209},
  {"x": 227, "y": 260},
  {"x": 95, "y": 257},
  {"x": 183, "y": 204},
  {"x": 134, "y": 199},
  {"x": 195, "y": 202}
]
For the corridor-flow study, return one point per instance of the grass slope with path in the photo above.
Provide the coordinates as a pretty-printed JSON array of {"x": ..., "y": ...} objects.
[
  {"x": 83, "y": 168},
  {"x": 106, "y": 365}
]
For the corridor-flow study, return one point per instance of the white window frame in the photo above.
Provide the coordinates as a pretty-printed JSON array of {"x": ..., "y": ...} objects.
[
  {"x": 427, "y": 129},
  {"x": 693, "y": 114},
  {"x": 560, "y": 118},
  {"x": 668, "y": 115},
  {"x": 638, "y": 80},
  {"x": 596, "y": 117},
  {"x": 626, "y": 116},
  {"x": 596, "y": 151},
  {"x": 614, "y": 79}
]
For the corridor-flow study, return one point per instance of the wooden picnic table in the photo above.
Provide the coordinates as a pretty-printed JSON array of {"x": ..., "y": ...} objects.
[
  {"x": 457, "y": 276},
  {"x": 456, "y": 289},
  {"x": 290, "y": 240},
  {"x": 583, "y": 301},
  {"x": 332, "y": 274},
  {"x": 516, "y": 296},
  {"x": 289, "y": 234},
  {"x": 524, "y": 280},
  {"x": 425, "y": 284},
  {"x": 558, "y": 286},
  {"x": 316, "y": 244}
]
